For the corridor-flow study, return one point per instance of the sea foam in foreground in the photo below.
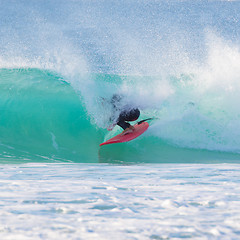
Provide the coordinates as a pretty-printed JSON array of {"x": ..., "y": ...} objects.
[{"x": 82, "y": 201}]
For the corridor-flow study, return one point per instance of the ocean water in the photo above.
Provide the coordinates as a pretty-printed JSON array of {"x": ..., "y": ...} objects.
[{"x": 178, "y": 62}]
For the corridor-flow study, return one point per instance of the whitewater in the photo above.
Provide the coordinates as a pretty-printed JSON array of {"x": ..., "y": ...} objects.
[{"x": 60, "y": 63}]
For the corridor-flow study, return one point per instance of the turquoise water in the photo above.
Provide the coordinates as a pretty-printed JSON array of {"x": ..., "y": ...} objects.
[
  {"x": 60, "y": 63},
  {"x": 43, "y": 118},
  {"x": 176, "y": 62}
]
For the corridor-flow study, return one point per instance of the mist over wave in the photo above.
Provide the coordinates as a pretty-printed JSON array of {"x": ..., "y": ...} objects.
[{"x": 176, "y": 61}]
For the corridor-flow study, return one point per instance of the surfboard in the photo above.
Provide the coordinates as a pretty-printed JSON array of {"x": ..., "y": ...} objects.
[{"x": 139, "y": 130}]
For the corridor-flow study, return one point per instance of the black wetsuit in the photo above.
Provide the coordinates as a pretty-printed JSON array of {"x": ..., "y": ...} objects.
[
  {"x": 130, "y": 115},
  {"x": 125, "y": 116}
]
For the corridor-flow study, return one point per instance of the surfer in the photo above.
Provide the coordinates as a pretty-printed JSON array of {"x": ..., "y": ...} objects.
[{"x": 127, "y": 114}]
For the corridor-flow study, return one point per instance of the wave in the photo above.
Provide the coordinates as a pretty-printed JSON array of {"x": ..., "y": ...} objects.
[
  {"x": 44, "y": 118},
  {"x": 177, "y": 61},
  {"x": 41, "y": 115}
]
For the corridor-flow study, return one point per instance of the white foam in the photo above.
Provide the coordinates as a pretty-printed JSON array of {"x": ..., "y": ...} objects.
[
  {"x": 46, "y": 201},
  {"x": 54, "y": 143}
]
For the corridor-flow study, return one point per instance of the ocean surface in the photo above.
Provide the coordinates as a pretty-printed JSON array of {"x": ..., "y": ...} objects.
[{"x": 60, "y": 64}]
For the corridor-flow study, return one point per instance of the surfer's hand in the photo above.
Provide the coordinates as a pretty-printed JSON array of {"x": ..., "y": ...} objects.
[
  {"x": 128, "y": 130},
  {"x": 110, "y": 128}
]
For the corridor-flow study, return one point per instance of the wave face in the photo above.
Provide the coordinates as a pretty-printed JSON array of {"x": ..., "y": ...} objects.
[
  {"x": 43, "y": 118},
  {"x": 177, "y": 62}
]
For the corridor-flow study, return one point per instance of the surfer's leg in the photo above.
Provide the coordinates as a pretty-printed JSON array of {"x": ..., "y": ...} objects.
[
  {"x": 128, "y": 116},
  {"x": 122, "y": 120},
  {"x": 124, "y": 125}
]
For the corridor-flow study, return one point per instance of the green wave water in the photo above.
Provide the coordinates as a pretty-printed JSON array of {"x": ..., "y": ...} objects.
[{"x": 43, "y": 118}]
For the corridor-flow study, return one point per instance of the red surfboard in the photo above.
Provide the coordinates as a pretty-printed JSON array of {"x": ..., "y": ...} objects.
[{"x": 139, "y": 129}]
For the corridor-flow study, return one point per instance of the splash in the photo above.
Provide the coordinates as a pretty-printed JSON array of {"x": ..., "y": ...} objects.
[{"x": 182, "y": 69}]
